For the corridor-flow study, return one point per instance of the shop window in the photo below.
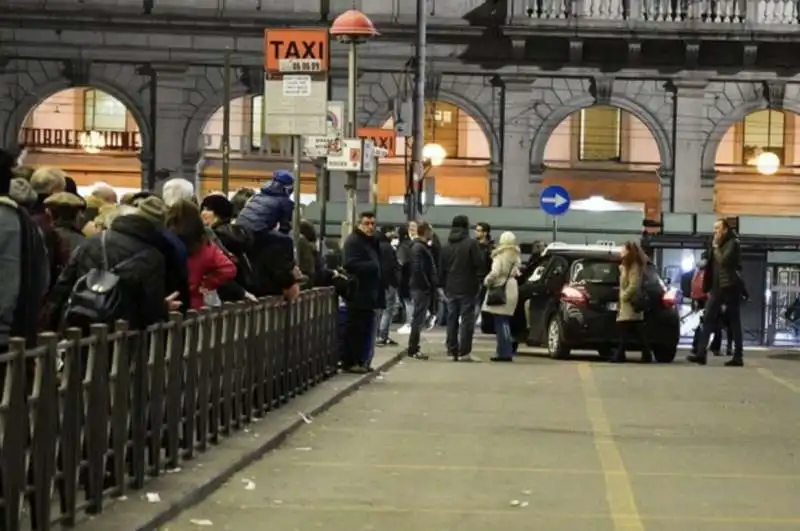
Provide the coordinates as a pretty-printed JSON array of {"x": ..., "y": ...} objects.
[
  {"x": 278, "y": 145},
  {"x": 103, "y": 112},
  {"x": 600, "y": 134},
  {"x": 763, "y": 131},
  {"x": 441, "y": 125}
]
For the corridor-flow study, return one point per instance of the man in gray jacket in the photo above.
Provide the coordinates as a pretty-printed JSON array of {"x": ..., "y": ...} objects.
[{"x": 24, "y": 275}]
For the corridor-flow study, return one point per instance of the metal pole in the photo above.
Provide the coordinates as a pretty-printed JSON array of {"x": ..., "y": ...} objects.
[
  {"x": 555, "y": 229},
  {"x": 373, "y": 185},
  {"x": 352, "y": 177},
  {"x": 226, "y": 124},
  {"x": 150, "y": 181},
  {"x": 417, "y": 163},
  {"x": 297, "y": 145},
  {"x": 322, "y": 198}
]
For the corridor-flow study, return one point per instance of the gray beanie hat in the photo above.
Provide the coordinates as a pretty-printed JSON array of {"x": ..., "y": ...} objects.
[{"x": 22, "y": 192}]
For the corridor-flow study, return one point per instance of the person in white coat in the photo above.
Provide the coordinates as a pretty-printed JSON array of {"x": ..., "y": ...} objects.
[{"x": 502, "y": 293}]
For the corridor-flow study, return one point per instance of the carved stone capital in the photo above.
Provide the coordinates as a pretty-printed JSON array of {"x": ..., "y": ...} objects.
[
  {"x": 601, "y": 89},
  {"x": 774, "y": 93},
  {"x": 575, "y": 52},
  {"x": 77, "y": 72}
]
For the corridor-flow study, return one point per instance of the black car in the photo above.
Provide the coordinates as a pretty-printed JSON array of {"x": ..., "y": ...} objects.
[{"x": 574, "y": 293}]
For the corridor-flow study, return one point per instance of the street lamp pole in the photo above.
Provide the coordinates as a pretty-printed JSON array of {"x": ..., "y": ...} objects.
[{"x": 417, "y": 162}]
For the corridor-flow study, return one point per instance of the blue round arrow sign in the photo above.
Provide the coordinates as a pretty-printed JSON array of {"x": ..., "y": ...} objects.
[{"x": 555, "y": 200}]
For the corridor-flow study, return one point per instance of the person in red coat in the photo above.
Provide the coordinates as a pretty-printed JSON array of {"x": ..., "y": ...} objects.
[{"x": 209, "y": 266}]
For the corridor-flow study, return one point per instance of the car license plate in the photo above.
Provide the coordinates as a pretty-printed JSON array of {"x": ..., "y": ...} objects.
[{"x": 612, "y": 306}]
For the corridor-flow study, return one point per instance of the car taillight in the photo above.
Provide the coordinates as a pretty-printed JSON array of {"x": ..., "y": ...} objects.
[
  {"x": 573, "y": 296},
  {"x": 670, "y": 298}
]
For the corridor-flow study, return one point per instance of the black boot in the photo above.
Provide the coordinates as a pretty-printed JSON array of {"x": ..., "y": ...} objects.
[
  {"x": 735, "y": 361},
  {"x": 699, "y": 358}
]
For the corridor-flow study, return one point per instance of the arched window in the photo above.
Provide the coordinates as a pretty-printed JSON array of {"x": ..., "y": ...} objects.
[
  {"x": 103, "y": 112},
  {"x": 442, "y": 126},
  {"x": 600, "y": 134},
  {"x": 278, "y": 145},
  {"x": 763, "y": 131}
]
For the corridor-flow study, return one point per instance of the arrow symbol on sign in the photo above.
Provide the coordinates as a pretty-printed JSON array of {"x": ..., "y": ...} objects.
[{"x": 557, "y": 200}]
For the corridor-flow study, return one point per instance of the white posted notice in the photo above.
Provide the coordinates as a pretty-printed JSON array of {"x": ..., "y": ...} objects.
[{"x": 298, "y": 86}]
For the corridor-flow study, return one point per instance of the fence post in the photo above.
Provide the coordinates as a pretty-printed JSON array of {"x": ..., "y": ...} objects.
[
  {"x": 190, "y": 364},
  {"x": 120, "y": 376},
  {"x": 96, "y": 431},
  {"x": 71, "y": 425},
  {"x": 173, "y": 401},
  {"x": 15, "y": 433}
]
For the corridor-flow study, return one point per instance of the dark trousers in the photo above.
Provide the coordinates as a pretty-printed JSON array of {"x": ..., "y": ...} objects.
[
  {"x": 421, "y": 301},
  {"x": 629, "y": 332},
  {"x": 460, "y": 324},
  {"x": 731, "y": 300},
  {"x": 358, "y": 328}
]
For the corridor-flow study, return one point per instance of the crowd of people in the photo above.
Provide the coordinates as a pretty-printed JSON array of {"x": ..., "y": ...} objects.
[{"x": 72, "y": 261}]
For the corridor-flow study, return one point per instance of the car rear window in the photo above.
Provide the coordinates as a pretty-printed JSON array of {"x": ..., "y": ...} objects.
[{"x": 595, "y": 272}]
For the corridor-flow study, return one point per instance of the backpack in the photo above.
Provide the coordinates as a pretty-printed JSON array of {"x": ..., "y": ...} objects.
[
  {"x": 697, "y": 292},
  {"x": 97, "y": 297}
]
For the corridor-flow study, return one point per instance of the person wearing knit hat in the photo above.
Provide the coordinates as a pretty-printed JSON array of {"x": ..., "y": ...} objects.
[
  {"x": 272, "y": 207},
  {"x": 152, "y": 209}
]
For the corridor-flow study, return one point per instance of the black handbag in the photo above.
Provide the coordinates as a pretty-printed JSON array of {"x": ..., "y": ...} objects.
[{"x": 496, "y": 295}]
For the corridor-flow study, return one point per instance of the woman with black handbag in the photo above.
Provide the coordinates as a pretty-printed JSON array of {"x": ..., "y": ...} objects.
[
  {"x": 632, "y": 303},
  {"x": 502, "y": 293}
]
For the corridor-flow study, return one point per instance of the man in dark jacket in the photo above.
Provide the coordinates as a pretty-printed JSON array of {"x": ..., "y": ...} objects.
[
  {"x": 422, "y": 284},
  {"x": 139, "y": 254},
  {"x": 362, "y": 260},
  {"x": 390, "y": 273},
  {"x": 724, "y": 287},
  {"x": 462, "y": 267}
]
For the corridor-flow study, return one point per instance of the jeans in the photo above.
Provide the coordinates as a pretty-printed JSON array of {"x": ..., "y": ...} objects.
[
  {"x": 460, "y": 324},
  {"x": 502, "y": 333},
  {"x": 408, "y": 305},
  {"x": 731, "y": 300},
  {"x": 441, "y": 307},
  {"x": 421, "y": 300},
  {"x": 387, "y": 315}
]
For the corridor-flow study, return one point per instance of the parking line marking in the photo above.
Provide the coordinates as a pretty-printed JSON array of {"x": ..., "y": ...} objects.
[
  {"x": 619, "y": 492},
  {"x": 769, "y": 375}
]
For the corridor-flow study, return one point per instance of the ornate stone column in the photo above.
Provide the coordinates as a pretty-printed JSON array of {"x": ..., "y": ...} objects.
[{"x": 517, "y": 185}]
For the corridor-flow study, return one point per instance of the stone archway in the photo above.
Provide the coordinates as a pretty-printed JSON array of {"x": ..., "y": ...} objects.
[
  {"x": 549, "y": 123},
  {"x": 193, "y": 132},
  {"x": 18, "y": 115},
  {"x": 727, "y": 121}
]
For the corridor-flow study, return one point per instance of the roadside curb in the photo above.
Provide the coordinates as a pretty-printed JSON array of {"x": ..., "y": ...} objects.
[
  {"x": 210, "y": 485},
  {"x": 206, "y": 486}
]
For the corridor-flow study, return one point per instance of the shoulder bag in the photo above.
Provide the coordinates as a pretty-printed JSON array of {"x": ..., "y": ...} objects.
[{"x": 496, "y": 295}]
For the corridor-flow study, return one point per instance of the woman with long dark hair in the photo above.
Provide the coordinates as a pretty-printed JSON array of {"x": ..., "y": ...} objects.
[{"x": 630, "y": 317}]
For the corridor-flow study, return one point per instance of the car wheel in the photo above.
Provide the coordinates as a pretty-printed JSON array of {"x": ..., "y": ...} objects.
[
  {"x": 665, "y": 353},
  {"x": 555, "y": 340}
]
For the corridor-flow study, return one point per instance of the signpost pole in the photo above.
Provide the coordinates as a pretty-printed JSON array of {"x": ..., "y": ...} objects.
[
  {"x": 352, "y": 177},
  {"x": 373, "y": 185},
  {"x": 417, "y": 163},
  {"x": 555, "y": 228},
  {"x": 297, "y": 145},
  {"x": 226, "y": 125},
  {"x": 322, "y": 199}
]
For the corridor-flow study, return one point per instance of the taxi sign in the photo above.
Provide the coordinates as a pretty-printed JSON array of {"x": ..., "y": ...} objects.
[{"x": 302, "y": 50}]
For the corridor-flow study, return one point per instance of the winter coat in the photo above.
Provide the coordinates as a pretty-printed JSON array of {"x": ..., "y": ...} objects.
[
  {"x": 390, "y": 267},
  {"x": 209, "y": 269},
  {"x": 362, "y": 260},
  {"x": 462, "y": 264},
  {"x": 505, "y": 267},
  {"x": 271, "y": 208},
  {"x": 630, "y": 282}
]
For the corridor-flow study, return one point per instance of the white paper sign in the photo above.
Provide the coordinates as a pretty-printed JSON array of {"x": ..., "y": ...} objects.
[{"x": 297, "y": 86}]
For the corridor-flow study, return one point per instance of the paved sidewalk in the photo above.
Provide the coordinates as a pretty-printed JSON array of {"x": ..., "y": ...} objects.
[
  {"x": 166, "y": 496},
  {"x": 537, "y": 444}
]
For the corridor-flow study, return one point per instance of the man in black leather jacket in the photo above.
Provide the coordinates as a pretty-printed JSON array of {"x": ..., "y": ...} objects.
[{"x": 723, "y": 284}]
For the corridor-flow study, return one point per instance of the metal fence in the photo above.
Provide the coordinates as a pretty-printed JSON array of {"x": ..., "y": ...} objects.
[{"x": 86, "y": 419}]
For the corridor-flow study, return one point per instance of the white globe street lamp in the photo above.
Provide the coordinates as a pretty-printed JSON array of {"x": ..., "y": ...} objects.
[
  {"x": 434, "y": 154},
  {"x": 768, "y": 163}
]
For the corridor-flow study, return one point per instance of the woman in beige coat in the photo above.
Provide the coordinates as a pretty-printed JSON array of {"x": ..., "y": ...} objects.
[
  {"x": 629, "y": 319},
  {"x": 505, "y": 267}
]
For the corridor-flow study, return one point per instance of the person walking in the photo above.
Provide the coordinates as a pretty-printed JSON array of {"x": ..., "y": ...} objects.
[
  {"x": 630, "y": 316},
  {"x": 502, "y": 293},
  {"x": 422, "y": 285},
  {"x": 390, "y": 272},
  {"x": 462, "y": 266},
  {"x": 725, "y": 292}
]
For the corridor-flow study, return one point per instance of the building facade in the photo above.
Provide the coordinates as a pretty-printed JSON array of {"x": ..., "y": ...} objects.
[{"x": 607, "y": 97}]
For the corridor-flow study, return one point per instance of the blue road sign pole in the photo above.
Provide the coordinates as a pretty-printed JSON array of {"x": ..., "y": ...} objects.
[
  {"x": 555, "y": 201},
  {"x": 555, "y": 229}
]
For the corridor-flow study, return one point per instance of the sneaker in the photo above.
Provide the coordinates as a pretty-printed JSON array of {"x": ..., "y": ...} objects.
[
  {"x": 356, "y": 369},
  {"x": 419, "y": 356},
  {"x": 735, "y": 361},
  {"x": 381, "y": 342},
  {"x": 389, "y": 342},
  {"x": 405, "y": 329},
  {"x": 469, "y": 358}
]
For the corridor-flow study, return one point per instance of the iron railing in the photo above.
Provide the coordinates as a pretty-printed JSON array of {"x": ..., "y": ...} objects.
[{"x": 85, "y": 419}]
